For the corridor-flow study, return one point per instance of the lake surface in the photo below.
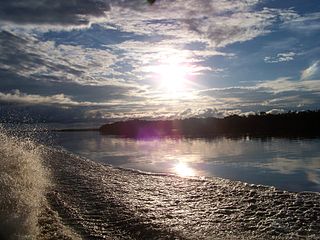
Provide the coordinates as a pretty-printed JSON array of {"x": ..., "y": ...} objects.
[{"x": 288, "y": 164}]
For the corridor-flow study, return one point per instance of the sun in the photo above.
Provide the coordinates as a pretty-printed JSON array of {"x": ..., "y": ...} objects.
[
  {"x": 170, "y": 75},
  {"x": 173, "y": 77}
]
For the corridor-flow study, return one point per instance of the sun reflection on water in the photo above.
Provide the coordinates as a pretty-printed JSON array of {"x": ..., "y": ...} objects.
[{"x": 182, "y": 169}]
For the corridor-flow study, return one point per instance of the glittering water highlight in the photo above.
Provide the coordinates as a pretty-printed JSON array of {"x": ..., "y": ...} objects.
[{"x": 58, "y": 195}]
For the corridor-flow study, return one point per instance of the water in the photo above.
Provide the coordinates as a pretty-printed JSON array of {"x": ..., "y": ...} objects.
[
  {"x": 48, "y": 193},
  {"x": 23, "y": 181},
  {"x": 288, "y": 164}
]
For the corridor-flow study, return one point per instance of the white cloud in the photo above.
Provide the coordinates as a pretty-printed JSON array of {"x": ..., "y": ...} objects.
[
  {"x": 45, "y": 61},
  {"x": 192, "y": 31},
  {"x": 17, "y": 97},
  {"x": 281, "y": 57},
  {"x": 310, "y": 71},
  {"x": 58, "y": 99},
  {"x": 217, "y": 23},
  {"x": 165, "y": 28},
  {"x": 276, "y": 111},
  {"x": 287, "y": 166},
  {"x": 208, "y": 112},
  {"x": 304, "y": 24},
  {"x": 282, "y": 93},
  {"x": 286, "y": 84}
]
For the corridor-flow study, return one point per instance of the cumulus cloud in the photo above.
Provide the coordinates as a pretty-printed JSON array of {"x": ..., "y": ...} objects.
[
  {"x": 281, "y": 57},
  {"x": 165, "y": 113},
  {"x": 207, "y": 113},
  {"x": 310, "y": 71},
  {"x": 276, "y": 111}
]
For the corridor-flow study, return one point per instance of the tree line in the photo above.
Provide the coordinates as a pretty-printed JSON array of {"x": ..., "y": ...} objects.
[{"x": 306, "y": 123}]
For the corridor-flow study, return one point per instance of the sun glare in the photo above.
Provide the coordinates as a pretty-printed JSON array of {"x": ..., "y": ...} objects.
[
  {"x": 182, "y": 169},
  {"x": 173, "y": 77}
]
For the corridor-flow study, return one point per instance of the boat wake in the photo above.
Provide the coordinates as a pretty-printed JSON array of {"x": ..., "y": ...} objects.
[
  {"x": 49, "y": 193},
  {"x": 24, "y": 185},
  {"x": 23, "y": 182}
]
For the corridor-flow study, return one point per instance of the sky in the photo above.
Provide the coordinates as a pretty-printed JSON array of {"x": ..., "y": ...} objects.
[{"x": 108, "y": 60}]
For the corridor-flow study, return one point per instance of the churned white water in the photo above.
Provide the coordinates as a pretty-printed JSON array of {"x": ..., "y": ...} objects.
[{"x": 23, "y": 182}]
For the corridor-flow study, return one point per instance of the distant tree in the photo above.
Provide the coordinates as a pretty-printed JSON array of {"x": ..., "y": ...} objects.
[{"x": 285, "y": 124}]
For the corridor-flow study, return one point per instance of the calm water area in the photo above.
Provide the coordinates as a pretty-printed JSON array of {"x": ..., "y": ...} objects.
[{"x": 288, "y": 164}]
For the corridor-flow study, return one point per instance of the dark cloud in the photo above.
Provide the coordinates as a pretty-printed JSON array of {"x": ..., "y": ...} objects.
[
  {"x": 47, "y": 82},
  {"x": 15, "y": 113},
  {"x": 30, "y": 65},
  {"x": 24, "y": 55},
  {"x": 62, "y": 12},
  {"x": 10, "y": 81}
]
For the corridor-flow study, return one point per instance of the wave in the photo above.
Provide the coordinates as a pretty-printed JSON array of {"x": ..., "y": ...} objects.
[
  {"x": 48, "y": 193},
  {"x": 100, "y": 201},
  {"x": 23, "y": 183}
]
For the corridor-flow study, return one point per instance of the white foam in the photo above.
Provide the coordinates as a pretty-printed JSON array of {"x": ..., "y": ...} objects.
[{"x": 23, "y": 182}]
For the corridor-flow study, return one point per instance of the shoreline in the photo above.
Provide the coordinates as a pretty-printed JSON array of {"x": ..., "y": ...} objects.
[
  {"x": 75, "y": 130},
  {"x": 194, "y": 136}
]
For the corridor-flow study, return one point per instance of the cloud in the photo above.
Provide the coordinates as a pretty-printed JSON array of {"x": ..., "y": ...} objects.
[
  {"x": 310, "y": 71},
  {"x": 289, "y": 166},
  {"x": 29, "y": 64},
  {"x": 281, "y": 57},
  {"x": 153, "y": 105},
  {"x": 207, "y": 113},
  {"x": 59, "y": 12},
  {"x": 46, "y": 114},
  {"x": 33, "y": 99},
  {"x": 19, "y": 98},
  {"x": 104, "y": 70},
  {"x": 282, "y": 93},
  {"x": 276, "y": 111},
  {"x": 165, "y": 113},
  {"x": 304, "y": 24},
  {"x": 286, "y": 84},
  {"x": 26, "y": 56},
  {"x": 217, "y": 23}
]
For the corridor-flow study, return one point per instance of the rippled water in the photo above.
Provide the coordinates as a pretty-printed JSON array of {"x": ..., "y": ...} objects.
[
  {"x": 288, "y": 164},
  {"x": 48, "y": 193}
]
